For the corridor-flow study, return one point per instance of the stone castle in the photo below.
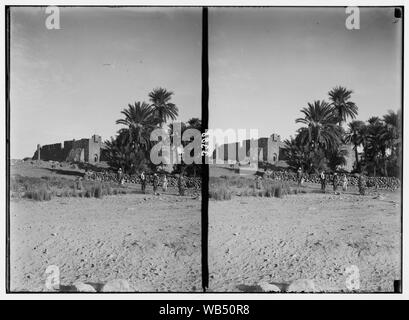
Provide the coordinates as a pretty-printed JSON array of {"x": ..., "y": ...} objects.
[
  {"x": 268, "y": 151},
  {"x": 84, "y": 150}
]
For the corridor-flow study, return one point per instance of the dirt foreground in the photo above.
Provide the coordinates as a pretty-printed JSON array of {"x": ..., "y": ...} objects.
[
  {"x": 305, "y": 236},
  {"x": 153, "y": 242}
]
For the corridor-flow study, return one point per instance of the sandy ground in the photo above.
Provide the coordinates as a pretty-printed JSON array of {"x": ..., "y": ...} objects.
[
  {"x": 152, "y": 242},
  {"x": 305, "y": 236}
]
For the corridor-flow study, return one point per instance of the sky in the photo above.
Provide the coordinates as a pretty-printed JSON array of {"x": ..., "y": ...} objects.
[
  {"x": 266, "y": 64},
  {"x": 73, "y": 82}
]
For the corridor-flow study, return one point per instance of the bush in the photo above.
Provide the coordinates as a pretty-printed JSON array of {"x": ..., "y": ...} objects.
[
  {"x": 220, "y": 194},
  {"x": 278, "y": 192},
  {"x": 46, "y": 187},
  {"x": 41, "y": 194},
  {"x": 98, "y": 191}
]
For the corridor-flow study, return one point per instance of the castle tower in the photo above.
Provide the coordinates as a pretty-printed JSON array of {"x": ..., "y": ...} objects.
[
  {"x": 38, "y": 152},
  {"x": 94, "y": 149},
  {"x": 273, "y": 148}
]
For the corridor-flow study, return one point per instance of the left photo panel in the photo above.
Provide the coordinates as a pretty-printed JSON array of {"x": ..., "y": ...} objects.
[{"x": 104, "y": 149}]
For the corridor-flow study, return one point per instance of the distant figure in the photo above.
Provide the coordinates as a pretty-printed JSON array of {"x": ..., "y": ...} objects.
[
  {"x": 323, "y": 180},
  {"x": 143, "y": 181},
  {"x": 299, "y": 176},
  {"x": 164, "y": 183},
  {"x": 362, "y": 185},
  {"x": 181, "y": 185},
  {"x": 86, "y": 175},
  {"x": 335, "y": 180},
  {"x": 79, "y": 185},
  {"x": 119, "y": 175},
  {"x": 259, "y": 183},
  {"x": 344, "y": 182},
  {"x": 155, "y": 183}
]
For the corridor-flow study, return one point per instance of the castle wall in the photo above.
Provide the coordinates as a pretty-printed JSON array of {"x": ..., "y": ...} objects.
[
  {"x": 268, "y": 150},
  {"x": 53, "y": 152},
  {"x": 83, "y": 150}
]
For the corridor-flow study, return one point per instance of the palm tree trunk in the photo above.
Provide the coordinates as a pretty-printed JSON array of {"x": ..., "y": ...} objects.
[
  {"x": 356, "y": 158},
  {"x": 385, "y": 166}
]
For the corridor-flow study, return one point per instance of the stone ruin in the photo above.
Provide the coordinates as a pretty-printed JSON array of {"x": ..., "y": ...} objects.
[
  {"x": 83, "y": 150},
  {"x": 268, "y": 151}
]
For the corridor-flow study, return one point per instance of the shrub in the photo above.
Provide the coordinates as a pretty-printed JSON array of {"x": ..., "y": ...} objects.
[
  {"x": 278, "y": 193},
  {"x": 88, "y": 193},
  {"x": 108, "y": 190},
  {"x": 66, "y": 193},
  {"x": 220, "y": 194},
  {"x": 98, "y": 191},
  {"x": 41, "y": 194}
]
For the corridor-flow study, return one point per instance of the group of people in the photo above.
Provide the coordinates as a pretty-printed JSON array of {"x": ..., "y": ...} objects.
[
  {"x": 156, "y": 182},
  {"x": 335, "y": 181}
]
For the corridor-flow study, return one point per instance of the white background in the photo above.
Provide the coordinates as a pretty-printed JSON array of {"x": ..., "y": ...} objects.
[{"x": 170, "y": 296}]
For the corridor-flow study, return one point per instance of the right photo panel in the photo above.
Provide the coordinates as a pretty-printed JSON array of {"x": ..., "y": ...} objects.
[{"x": 305, "y": 144}]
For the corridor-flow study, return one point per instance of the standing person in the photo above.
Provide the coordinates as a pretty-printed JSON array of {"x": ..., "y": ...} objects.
[
  {"x": 181, "y": 185},
  {"x": 258, "y": 182},
  {"x": 164, "y": 183},
  {"x": 155, "y": 183},
  {"x": 143, "y": 181},
  {"x": 361, "y": 185},
  {"x": 323, "y": 180},
  {"x": 119, "y": 175},
  {"x": 335, "y": 180},
  {"x": 344, "y": 182},
  {"x": 299, "y": 176}
]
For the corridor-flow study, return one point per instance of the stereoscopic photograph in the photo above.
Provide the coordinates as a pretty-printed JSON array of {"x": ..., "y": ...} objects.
[
  {"x": 93, "y": 91},
  {"x": 295, "y": 111},
  {"x": 305, "y": 107}
]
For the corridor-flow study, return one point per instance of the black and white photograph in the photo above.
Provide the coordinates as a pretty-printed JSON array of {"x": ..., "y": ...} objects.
[
  {"x": 312, "y": 201},
  {"x": 89, "y": 210},
  {"x": 176, "y": 151}
]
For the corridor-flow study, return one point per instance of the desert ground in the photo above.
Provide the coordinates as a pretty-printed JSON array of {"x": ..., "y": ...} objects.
[
  {"x": 153, "y": 242},
  {"x": 305, "y": 236}
]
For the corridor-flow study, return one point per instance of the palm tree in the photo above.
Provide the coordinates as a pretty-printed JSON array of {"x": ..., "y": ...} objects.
[
  {"x": 296, "y": 153},
  {"x": 120, "y": 153},
  {"x": 391, "y": 133},
  {"x": 336, "y": 158},
  {"x": 176, "y": 135},
  {"x": 339, "y": 97},
  {"x": 354, "y": 136},
  {"x": 322, "y": 130},
  {"x": 162, "y": 107},
  {"x": 195, "y": 123},
  {"x": 140, "y": 122},
  {"x": 393, "y": 139},
  {"x": 376, "y": 144}
]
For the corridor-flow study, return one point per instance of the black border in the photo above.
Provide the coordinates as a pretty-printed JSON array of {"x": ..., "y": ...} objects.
[
  {"x": 7, "y": 102},
  {"x": 205, "y": 167},
  {"x": 205, "y": 115},
  {"x": 402, "y": 143}
]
